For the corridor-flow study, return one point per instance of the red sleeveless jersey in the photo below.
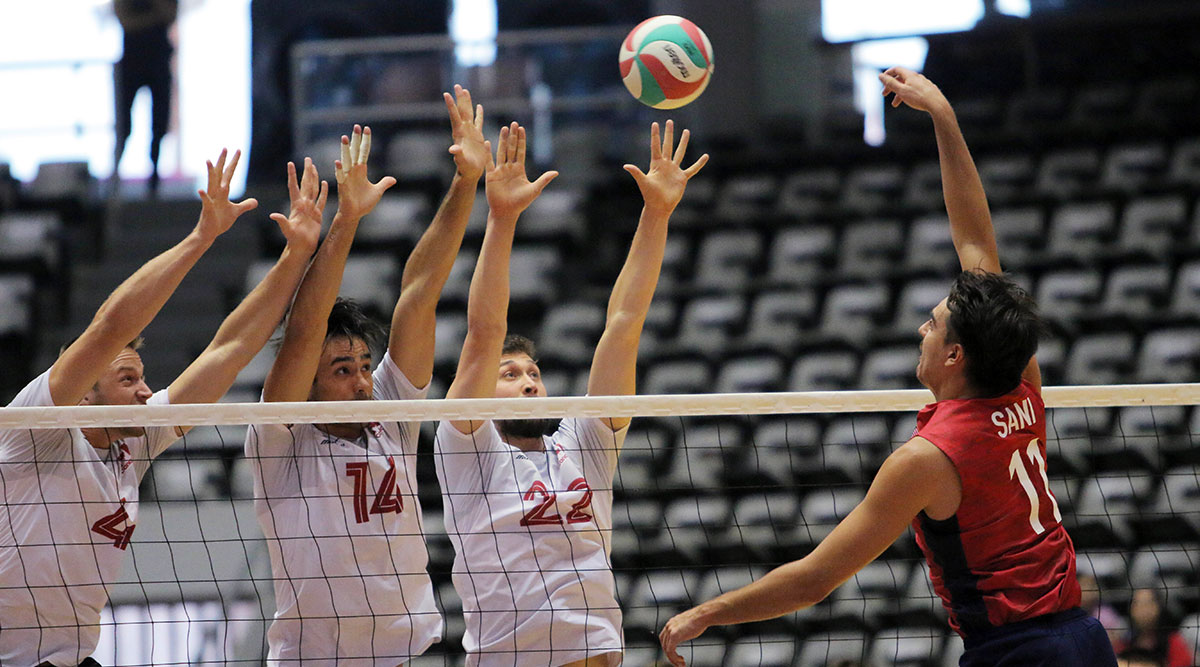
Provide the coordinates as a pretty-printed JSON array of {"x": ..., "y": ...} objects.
[{"x": 1004, "y": 556}]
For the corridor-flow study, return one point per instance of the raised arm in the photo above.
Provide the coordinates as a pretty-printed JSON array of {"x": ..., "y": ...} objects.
[
  {"x": 411, "y": 341},
  {"x": 916, "y": 477},
  {"x": 291, "y": 377},
  {"x": 247, "y": 329},
  {"x": 966, "y": 203},
  {"x": 509, "y": 192},
  {"x": 614, "y": 365},
  {"x": 136, "y": 301}
]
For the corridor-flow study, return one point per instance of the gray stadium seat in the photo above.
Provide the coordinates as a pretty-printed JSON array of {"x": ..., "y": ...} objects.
[
  {"x": 808, "y": 192},
  {"x": 727, "y": 260},
  {"x": 1068, "y": 173},
  {"x": 915, "y": 303},
  {"x": 1170, "y": 355},
  {"x": 770, "y": 650},
  {"x": 402, "y": 216},
  {"x": 1109, "y": 502},
  {"x": 533, "y": 273},
  {"x": 1020, "y": 235},
  {"x": 778, "y": 319},
  {"x": 702, "y": 454},
  {"x": 824, "y": 371},
  {"x": 1064, "y": 296},
  {"x": 1081, "y": 230},
  {"x": 657, "y": 595},
  {"x": 1185, "y": 299},
  {"x": 824, "y": 508},
  {"x": 1007, "y": 177},
  {"x": 920, "y": 598},
  {"x": 826, "y": 648},
  {"x": 870, "y": 249},
  {"x": 16, "y": 303},
  {"x": 30, "y": 236},
  {"x": 449, "y": 333},
  {"x": 1136, "y": 291},
  {"x": 783, "y": 447},
  {"x": 930, "y": 247},
  {"x": 852, "y": 312},
  {"x": 1070, "y": 433},
  {"x": 923, "y": 189},
  {"x": 907, "y": 646},
  {"x": 872, "y": 188},
  {"x": 708, "y": 323},
  {"x": 1100, "y": 358},
  {"x": 636, "y": 528},
  {"x": 745, "y": 197},
  {"x": 721, "y": 580},
  {"x": 890, "y": 368},
  {"x": 1153, "y": 225},
  {"x": 574, "y": 328},
  {"x": 1131, "y": 167},
  {"x": 372, "y": 280},
  {"x": 645, "y": 449},
  {"x": 419, "y": 155},
  {"x": 853, "y": 445},
  {"x": 676, "y": 265},
  {"x": 199, "y": 478},
  {"x": 1110, "y": 569},
  {"x": 685, "y": 376},
  {"x": 751, "y": 374},
  {"x": 557, "y": 213},
  {"x": 1185, "y": 163},
  {"x": 874, "y": 591},
  {"x": 801, "y": 255},
  {"x": 762, "y": 521},
  {"x": 695, "y": 524},
  {"x": 61, "y": 180}
]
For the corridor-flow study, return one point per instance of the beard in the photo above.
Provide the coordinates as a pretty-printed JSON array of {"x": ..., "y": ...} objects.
[{"x": 526, "y": 428}]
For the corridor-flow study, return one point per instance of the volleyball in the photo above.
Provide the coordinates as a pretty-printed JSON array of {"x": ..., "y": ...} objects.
[{"x": 666, "y": 62}]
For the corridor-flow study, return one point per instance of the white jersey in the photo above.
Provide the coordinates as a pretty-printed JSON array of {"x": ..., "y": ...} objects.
[
  {"x": 347, "y": 545},
  {"x": 69, "y": 511},
  {"x": 531, "y": 535}
]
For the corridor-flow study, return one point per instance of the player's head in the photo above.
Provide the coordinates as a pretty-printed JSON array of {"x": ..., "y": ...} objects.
[
  {"x": 344, "y": 372},
  {"x": 520, "y": 377},
  {"x": 985, "y": 331},
  {"x": 123, "y": 382},
  {"x": 1146, "y": 610}
]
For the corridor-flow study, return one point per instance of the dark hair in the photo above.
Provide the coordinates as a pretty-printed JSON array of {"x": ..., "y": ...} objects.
[
  {"x": 997, "y": 324},
  {"x": 347, "y": 319},
  {"x": 518, "y": 344}
]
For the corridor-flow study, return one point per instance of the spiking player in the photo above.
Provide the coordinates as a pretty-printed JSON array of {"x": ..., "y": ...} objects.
[
  {"x": 972, "y": 481},
  {"x": 530, "y": 515},
  {"x": 338, "y": 502},
  {"x": 71, "y": 496}
]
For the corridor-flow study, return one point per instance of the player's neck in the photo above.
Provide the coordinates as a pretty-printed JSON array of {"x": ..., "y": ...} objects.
[
  {"x": 99, "y": 438},
  {"x": 954, "y": 388},
  {"x": 526, "y": 445},
  {"x": 343, "y": 431}
]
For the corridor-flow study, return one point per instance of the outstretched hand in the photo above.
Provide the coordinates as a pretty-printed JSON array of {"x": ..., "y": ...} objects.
[
  {"x": 357, "y": 196},
  {"x": 913, "y": 89},
  {"x": 470, "y": 151},
  {"x": 217, "y": 213},
  {"x": 681, "y": 628},
  {"x": 509, "y": 191},
  {"x": 663, "y": 185},
  {"x": 302, "y": 225}
]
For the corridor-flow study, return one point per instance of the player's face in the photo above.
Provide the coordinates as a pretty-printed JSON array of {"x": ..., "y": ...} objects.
[
  {"x": 1143, "y": 610},
  {"x": 344, "y": 373},
  {"x": 931, "y": 366},
  {"x": 519, "y": 377},
  {"x": 122, "y": 383}
]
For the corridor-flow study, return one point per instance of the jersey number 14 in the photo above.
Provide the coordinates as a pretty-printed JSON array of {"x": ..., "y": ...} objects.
[{"x": 387, "y": 498}]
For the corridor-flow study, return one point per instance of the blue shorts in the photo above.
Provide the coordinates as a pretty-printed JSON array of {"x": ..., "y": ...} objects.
[{"x": 1066, "y": 639}]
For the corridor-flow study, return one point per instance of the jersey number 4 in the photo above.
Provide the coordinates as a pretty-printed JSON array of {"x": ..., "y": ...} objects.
[
  {"x": 387, "y": 498},
  {"x": 1016, "y": 468},
  {"x": 538, "y": 515},
  {"x": 110, "y": 527}
]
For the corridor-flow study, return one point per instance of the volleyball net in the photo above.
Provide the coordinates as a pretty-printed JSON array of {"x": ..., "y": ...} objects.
[{"x": 709, "y": 493}]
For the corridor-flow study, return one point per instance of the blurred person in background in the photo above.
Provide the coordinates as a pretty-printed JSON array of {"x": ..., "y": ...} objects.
[
  {"x": 145, "y": 61},
  {"x": 1152, "y": 633}
]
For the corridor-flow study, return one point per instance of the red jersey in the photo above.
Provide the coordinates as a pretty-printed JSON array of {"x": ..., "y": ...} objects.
[{"x": 1004, "y": 556}]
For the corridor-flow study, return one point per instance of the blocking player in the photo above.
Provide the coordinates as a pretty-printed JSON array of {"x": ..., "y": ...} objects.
[
  {"x": 338, "y": 502},
  {"x": 530, "y": 515},
  {"x": 972, "y": 481},
  {"x": 71, "y": 495}
]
